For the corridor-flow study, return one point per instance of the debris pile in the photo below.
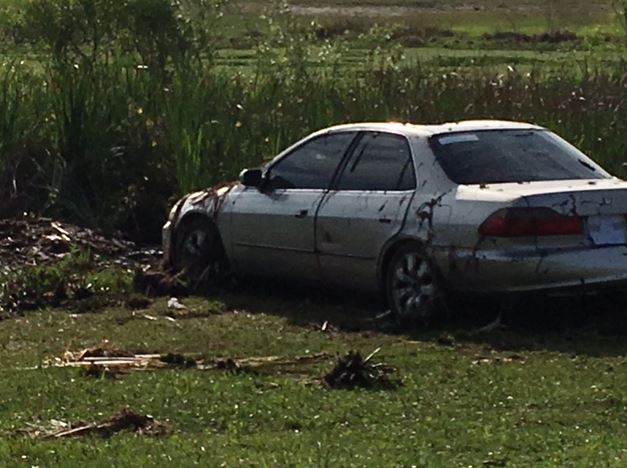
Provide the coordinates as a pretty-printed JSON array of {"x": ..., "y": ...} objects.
[
  {"x": 106, "y": 361},
  {"x": 287, "y": 364},
  {"x": 152, "y": 281},
  {"x": 229, "y": 365},
  {"x": 178, "y": 360},
  {"x": 46, "y": 263},
  {"x": 34, "y": 241},
  {"x": 124, "y": 420},
  {"x": 100, "y": 352},
  {"x": 353, "y": 371}
]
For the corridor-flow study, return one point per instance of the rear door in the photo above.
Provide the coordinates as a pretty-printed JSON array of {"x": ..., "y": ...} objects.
[
  {"x": 365, "y": 207},
  {"x": 273, "y": 228}
]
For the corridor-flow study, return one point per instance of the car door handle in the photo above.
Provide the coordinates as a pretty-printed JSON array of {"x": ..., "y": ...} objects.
[
  {"x": 385, "y": 220},
  {"x": 301, "y": 214}
]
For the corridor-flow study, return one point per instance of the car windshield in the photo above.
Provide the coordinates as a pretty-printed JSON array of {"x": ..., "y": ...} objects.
[{"x": 495, "y": 156}]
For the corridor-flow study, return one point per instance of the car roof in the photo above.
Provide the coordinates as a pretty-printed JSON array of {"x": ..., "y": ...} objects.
[{"x": 436, "y": 129}]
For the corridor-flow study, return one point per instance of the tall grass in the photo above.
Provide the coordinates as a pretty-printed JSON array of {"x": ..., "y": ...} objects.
[{"x": 112, "y": 141}]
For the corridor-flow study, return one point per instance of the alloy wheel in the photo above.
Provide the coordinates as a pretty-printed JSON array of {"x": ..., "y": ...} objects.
[{"x": 412, "y": 286}]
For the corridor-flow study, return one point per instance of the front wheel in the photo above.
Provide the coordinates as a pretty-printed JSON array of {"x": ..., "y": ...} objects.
[
  {"x": 412, "y": 288},
  {"x": 199, "y": 254}
]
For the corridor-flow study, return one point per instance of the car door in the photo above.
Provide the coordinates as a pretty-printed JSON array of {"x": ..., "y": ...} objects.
[
  {"x": 364, "y": 208},
  {"x": 273, "y": 226}
]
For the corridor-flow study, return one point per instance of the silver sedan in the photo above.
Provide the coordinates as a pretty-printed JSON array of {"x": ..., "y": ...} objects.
[{"x": 413, "y": 211}]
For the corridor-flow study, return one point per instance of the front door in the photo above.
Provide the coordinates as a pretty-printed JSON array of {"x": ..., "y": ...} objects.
[
  {"x": 273, "y": 227},
  {"x": 365, "y": 208}
]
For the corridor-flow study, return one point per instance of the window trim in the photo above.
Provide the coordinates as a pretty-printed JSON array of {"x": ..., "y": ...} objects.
[{"x": 361, "y": 134}]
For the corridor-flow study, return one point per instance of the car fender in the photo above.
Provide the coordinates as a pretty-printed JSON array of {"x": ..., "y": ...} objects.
[{"x": 209, "y": 203}]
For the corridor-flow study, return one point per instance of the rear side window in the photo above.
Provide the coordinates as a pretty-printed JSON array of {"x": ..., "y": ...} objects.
[
  {"x": 311, "y": 165},
  {"x": 380, "y": 161},
  {"x": 494, "y": 156}
]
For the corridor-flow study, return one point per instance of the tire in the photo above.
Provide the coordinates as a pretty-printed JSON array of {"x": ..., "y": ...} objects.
[
  {"x": 412, "y": 288},
  {"x": 198, "y": 254}
]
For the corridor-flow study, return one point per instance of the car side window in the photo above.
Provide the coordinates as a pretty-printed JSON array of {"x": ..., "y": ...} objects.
[
  {"x": 380, "y": 161},
  {"x": 311, "y": 165}
]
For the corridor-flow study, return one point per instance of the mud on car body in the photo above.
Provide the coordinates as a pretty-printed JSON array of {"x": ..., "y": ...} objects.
[{"x": 414, "y": 211}]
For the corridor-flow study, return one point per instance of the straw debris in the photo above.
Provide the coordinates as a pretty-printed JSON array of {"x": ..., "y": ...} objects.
[{"x": 124, "y": 420}]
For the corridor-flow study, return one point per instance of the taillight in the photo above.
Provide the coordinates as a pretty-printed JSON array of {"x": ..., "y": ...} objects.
[{"x": 521, "y": 222}]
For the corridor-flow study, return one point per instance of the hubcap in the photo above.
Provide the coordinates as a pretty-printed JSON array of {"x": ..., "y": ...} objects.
[
  {"x": 196, "y": 254},
  {"x": 196, "y": 244},
  {"x": 412, "y": 286},
  {"x": 199, "y": 256}
]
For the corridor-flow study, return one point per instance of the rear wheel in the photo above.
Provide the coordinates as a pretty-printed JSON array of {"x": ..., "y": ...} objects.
[
  {"x": 199, "y": 254},
  {"x": 412, "y": 287}
]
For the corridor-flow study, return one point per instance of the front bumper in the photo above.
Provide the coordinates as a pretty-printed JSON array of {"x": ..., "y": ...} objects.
[{"x": 576, "y": 270}]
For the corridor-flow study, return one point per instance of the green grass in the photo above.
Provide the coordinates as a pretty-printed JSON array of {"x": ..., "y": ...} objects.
[
  {"x": 473, "y": 18},
  {"x": 452, "y": 58},
  {"x": 512, "y": 399},
  {"x": 113, "y": 144}
]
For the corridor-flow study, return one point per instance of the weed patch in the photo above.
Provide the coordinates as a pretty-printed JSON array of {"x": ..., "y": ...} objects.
[
  {"x": 554, "y": 37},
  {"x": 75, "y": 281},
  {"x": 352, "y": 371}
]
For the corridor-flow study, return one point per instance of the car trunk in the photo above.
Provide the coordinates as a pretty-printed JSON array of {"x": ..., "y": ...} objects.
[
  {"x": 582, "y": 198},
  {"x": 601, "y": 203}
]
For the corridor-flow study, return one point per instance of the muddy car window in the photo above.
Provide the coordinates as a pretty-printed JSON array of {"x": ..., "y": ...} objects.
[
  {"x": 380, "y": 161},
  {"x": 312, "y": 165},
  {"x": 510, "y": 156}
]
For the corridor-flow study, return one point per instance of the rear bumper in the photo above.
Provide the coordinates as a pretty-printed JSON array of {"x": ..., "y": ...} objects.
[{"x": 572, "y": 271}]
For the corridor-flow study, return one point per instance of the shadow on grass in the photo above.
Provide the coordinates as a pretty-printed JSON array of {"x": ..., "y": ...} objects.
[
  {"x": 304, "y": 305},
  {"x": 593, "y": 326}
]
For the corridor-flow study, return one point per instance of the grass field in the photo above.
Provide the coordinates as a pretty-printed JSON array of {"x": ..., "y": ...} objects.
[
  {"x": 464, "y": 19},
  {"x": 109, "y": 139},
  {"x": 511, "y": 398}
]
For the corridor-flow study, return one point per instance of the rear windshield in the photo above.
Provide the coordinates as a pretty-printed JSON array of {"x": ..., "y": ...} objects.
[{"x": 493, "y": 156}]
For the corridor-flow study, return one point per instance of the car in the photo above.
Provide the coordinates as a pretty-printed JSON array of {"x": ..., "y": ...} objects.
[{"x": 415, "y": 212}]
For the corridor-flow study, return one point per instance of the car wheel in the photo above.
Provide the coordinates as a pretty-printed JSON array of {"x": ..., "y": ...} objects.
[
  {"x": 199, "y": 254},
  {"x": 412, "y": 287}
]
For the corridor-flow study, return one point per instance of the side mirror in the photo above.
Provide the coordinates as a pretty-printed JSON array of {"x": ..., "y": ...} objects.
[{"x": 251, "y": 177}]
